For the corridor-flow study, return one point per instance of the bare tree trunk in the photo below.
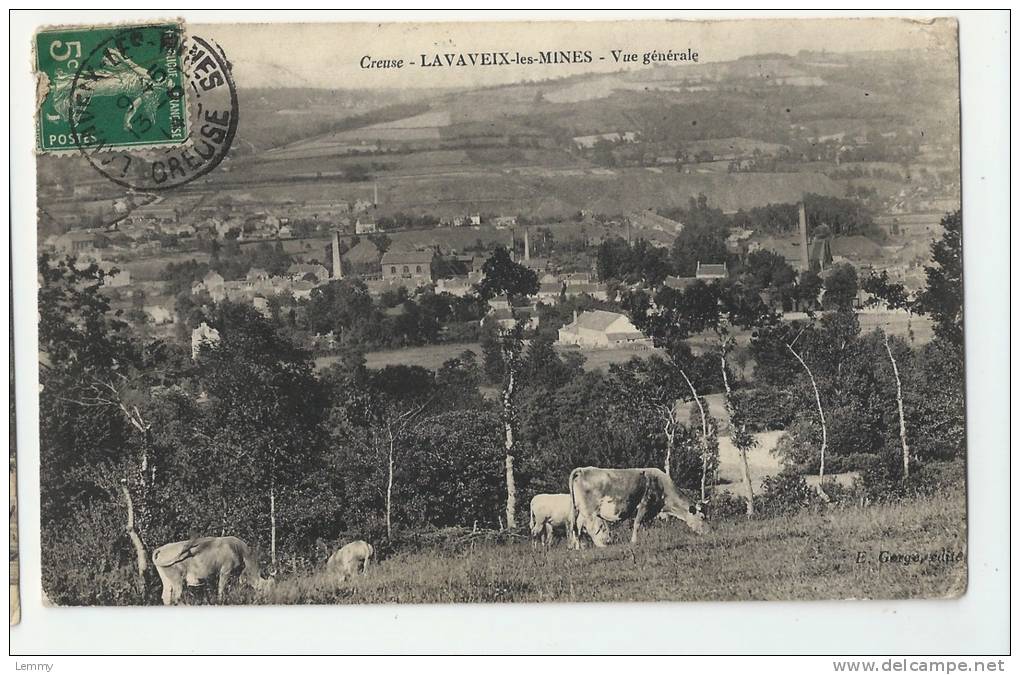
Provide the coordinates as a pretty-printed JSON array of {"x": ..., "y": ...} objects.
[
  {"x": 899, "y": 406},
  {"x": 821, "y": 413},
  {"x": 272, "y": 518},
  {"x": 704, "y": 434},
  {"x": 141, "y": 556},
  {"x": 508, "y": 428},
  {"x": 748, "y": 486},
  {"x": 670, "y": 431},
  {"x": 389, "y": 491}
]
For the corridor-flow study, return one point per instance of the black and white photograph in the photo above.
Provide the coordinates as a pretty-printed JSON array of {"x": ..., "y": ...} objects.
[{"x": 498, "y": 312}]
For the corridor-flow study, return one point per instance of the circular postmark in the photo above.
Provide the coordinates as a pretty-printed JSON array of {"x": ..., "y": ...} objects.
[{"x": 152, "y": 110}]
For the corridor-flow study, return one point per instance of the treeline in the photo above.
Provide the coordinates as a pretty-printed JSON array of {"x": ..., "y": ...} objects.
[
  {"x": 704, "y": 233},
  {"x": 142, "y": 444}
]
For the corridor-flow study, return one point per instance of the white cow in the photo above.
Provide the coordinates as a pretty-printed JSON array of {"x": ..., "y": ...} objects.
[
  {"x": 194, "y": 562},
  {"x": 345, "y": 563},
  {"x": 549, "y": 513}
]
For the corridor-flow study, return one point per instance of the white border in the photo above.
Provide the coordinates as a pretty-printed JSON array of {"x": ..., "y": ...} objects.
[{"x": 977, "y": 623}]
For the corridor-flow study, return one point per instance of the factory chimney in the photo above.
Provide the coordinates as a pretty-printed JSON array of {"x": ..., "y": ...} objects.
[
  {"x": 338, "y": 272},
  {"x": 375, "y": 194},
  {"x": 527, "y": 247},
  {"x": 805, "y": 260}
]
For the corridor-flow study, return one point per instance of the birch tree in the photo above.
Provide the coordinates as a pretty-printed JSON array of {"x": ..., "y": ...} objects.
[{"x": 504, "y": 277}]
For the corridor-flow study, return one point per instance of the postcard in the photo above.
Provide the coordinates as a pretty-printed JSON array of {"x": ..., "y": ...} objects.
[{"x": 505, "y": 312}]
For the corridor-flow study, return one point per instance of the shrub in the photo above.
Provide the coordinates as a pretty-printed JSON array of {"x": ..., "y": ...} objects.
[
  {"x": 88, "y": 559},
  {"x": 785, "y": 493},
  {"x": 726, "y": 506}
]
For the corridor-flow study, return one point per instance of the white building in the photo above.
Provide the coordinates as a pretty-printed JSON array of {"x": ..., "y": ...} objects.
[{"x": 600, "y": 328}]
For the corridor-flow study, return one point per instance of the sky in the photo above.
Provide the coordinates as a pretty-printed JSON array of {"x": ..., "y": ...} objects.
[{"x": 327, "y": 55}]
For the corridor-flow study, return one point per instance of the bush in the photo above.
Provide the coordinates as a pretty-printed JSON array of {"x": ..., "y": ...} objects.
[
  {"x": 766, "y": 408},
  {"x": 785, "y": 493},
  {"x": 88, "y": 559},
  {"x": 884, "y": 481},
  {"x": 726, "y": 506}
]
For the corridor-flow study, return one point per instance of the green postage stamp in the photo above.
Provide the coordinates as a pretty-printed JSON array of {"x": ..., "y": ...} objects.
[{"x": 111, "y": 87}]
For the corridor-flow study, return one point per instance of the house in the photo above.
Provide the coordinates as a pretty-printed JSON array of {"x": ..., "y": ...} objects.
[
  {"x": 600, "y": 328},
  {"x": 549, "y": 293},
  {"x": 257, "y": 274},
  {"x": 158, "y": 314},
  {"x": 459, "y": 286},
  {"x": 114, "y": 276},
  {"x": 301, "y": 290},
  {"x": 597, "y": 291},
  {"x": 285, "y": 232},
  {"x": 710, "y": 271},
  {"x": 577, "y": 278},
  {"x": 212, "y": 283},
  {"x": 300, "y": 272},
  {"x": 204, "y": 335},
  {"x": 76, "y": 241},
  {"x": 506, "y": 318},
  {"x": 678, "y": 283},
  {"x": 404, "y": 266},
  {"x": 475, "y": 219},
  {"x": 539, "y": 265},
  {"x": 261, "y": 305},
  {"x": 505, "y": 221},
  {"x": 650, "y": 220},
  {"x": 364, "y": 226}
]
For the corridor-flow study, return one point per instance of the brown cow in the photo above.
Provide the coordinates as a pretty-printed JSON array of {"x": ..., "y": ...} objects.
[
  {"x": 599, "y": 496},
  {"x": 193, "y": 562}
]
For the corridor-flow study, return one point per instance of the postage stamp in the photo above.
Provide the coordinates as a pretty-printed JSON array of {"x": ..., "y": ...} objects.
[
  {"x": 149, "y": 108},
  {"x": 114, "y": 86}
]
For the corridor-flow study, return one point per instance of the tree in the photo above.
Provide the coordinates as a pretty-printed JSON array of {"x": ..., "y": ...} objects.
[
  {"x": 942, "y": 296},
  {"x": 503, "y": 276},
  {"x": 788, "y": 335},
  {"x": 841, "y": 287},
  {"x": 511, "y": 348},
  {"x": 93, "y": 385},
  {"x": 651, "y": 384},
  {"x": 678, "y": 315},
  {"x": 401, "y": 395},
  {"x": 267, "y": 410}
]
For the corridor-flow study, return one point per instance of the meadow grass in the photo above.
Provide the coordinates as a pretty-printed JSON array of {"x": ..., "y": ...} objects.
[{"x": 807, "y": 556}]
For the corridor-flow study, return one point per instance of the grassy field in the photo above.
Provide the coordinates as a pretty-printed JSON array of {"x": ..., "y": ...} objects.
[{"x": 808, "y": 556}]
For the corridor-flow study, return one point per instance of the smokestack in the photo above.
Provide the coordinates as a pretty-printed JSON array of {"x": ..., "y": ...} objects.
[
  {"x": 338, "y": 272},
  {"x": 527, "y": 248},
  {"x": 375, "y": 194},
  {"x": 805, "y": 261}
]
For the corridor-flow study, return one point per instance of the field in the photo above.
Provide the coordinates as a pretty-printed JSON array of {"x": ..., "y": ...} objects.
[{"x": 809, "y": 556}]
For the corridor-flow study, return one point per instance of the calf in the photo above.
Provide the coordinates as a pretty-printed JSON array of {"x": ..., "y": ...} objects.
[
  {"x": 345, "y": 563},
  {"x": 549, "y": 513}
]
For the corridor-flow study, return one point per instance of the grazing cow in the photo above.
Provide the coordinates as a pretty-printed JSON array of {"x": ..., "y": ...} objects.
[
  {"x": 193, "y": 562},
  {"x": 599, "y": 496},
  {"x": 548, "y": 513},
  {"x": 344, "y": 563}
]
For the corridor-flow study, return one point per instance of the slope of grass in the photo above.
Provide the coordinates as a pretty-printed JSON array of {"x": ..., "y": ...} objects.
[{"x": 809, "y": 556}]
